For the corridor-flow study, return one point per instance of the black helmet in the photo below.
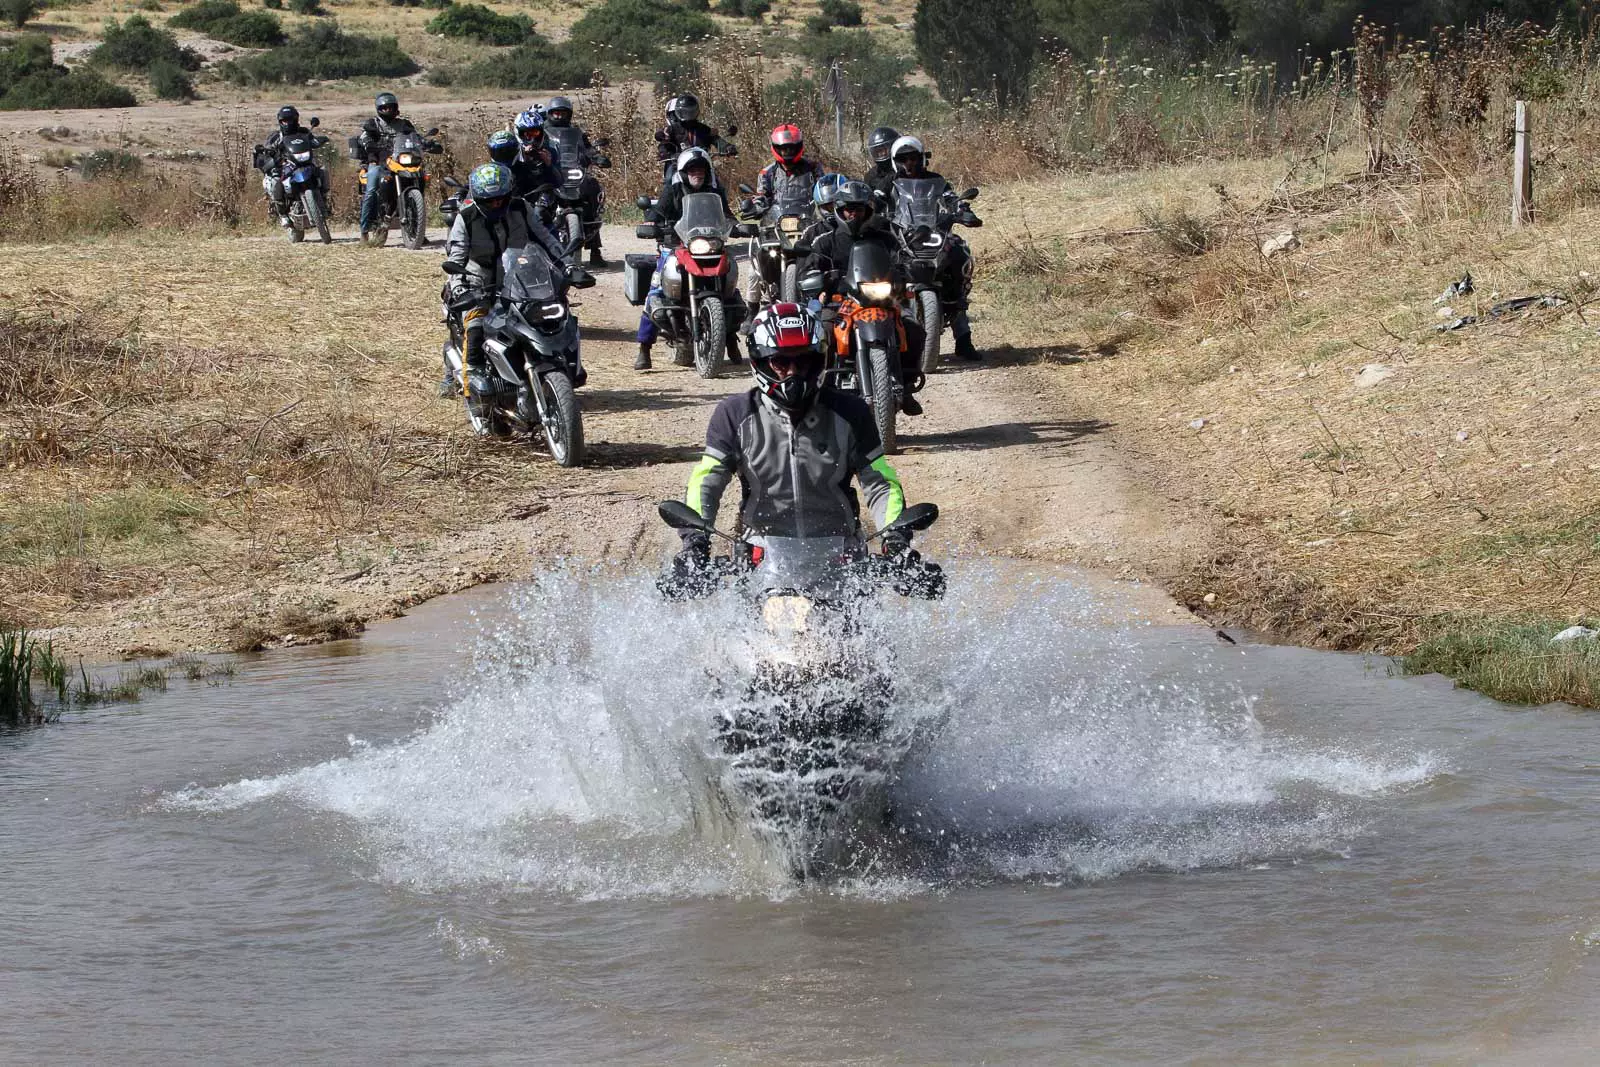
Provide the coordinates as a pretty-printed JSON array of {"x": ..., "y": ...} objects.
[
  {"x": 558, "y": 112},
  {"x": 879, "y": 141},
  {"x": 503, "y": 147},
  {"x": 288, "y": 117},
  {"x": 686, "y": 108},
  {"x": 388, "y": 106},
  {"x": 856, "y": 196}
]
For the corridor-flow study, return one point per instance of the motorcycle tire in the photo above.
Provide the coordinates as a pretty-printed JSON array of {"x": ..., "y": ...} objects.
[
  {"x": 789, "y": 287},
  {"x": 711, "y": 338},
  {"x": 572, "y": 233},
  {"x": 931, "y": 315},
  {"x": 881, "y": 370},
  {"x": 316, "y": 216},
  {"x": 563, "y": 422},
  {"x": 414, "y": 219}
]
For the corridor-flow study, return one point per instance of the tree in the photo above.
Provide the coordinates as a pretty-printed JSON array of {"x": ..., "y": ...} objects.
[
  {"x": 18, "y": 12},
  {"x": 977, "y": 47},
  {"x": 1163, "y": 27}
]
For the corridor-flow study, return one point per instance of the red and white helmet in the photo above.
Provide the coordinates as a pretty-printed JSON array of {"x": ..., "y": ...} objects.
[
  {"x": 787, "y": 361},
  {"x": 788, "y": 144}
]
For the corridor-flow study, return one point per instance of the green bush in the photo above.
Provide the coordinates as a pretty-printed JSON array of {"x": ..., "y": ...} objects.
[
  {"x": 111, "y": 163},
  {"x": 307, "y": 7},
  {"x": 750, "y": 9},
  {"x": 624, "y": 32},
  {"x": 224, "y": 20},
  {"x": 170, "y": 82},
  {"x": 480, "y": 24},
  {"x": 136, "y": 44},
  {"x": 275, "y": 5},
  {"x": 995, "y": 63},
  {"x": 319, "y": 52},
  {"x": 841, "y": 12},
  {"x": 17, "y": 12},
  {"x": 32, "y": 81},
  {"x": 421, "y": 3},
  {"x": 534, "y": 65}
]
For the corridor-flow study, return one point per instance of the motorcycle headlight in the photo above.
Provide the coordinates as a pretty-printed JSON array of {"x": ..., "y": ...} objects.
[
  {"x": 786, "y": 614},
  {"x": 552, "y": 312},
  {"x": 789, "y": 224},
  {"x": 877, "y": 290},
  {"x": 933, "y": 240},
  {"x": 704, "y": 246},
  {"x": 575, "y": 174},
  {"x": 408, "y": 160},
  {"x": 302, "y": 157}
]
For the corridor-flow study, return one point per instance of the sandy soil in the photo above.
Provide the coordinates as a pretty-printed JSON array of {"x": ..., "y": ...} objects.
[{"x": 1017, "y": 469}]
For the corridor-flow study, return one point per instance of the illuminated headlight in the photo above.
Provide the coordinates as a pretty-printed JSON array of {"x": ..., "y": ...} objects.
[
  {"x": 877, "y": 290},
  {"x": 575, "y": 175},
  {"x": 408, "y": 160},
  {"x": 789, "y": 224},
  {"x": 302, "y": 157},
  {"x": 786, "y": 614},
  {"x": 933, "y": 240},
  {"x": 552, "y": 312},
  {"x": 704, "y": 246}
]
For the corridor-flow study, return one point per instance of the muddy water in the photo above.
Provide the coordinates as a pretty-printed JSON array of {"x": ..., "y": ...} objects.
[{"x": 475, "y": 833}]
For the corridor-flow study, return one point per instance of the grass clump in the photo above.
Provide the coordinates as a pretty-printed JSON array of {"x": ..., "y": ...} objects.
[
  {"x": 226, "y": 21},
  {"x": 480, "y": 24},
  {"x": 322, "y": 52},
  {"x": 138, "y": 45},
  {"x": 631, "y": 32},
  {"x": 535, "y": 65},
  {"x": 33, "y": 81},
  {"x": 1512, "y": 661},
  {"x": 23, "y": 659}
]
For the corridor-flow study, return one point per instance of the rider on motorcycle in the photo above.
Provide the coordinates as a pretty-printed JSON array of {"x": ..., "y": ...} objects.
[
  {"x": 830, "y": 254},
  {"x": 693, "y": 174},
  {"x": 911, "y": 161},
  {"x": 822, "y": 196},
  {"x": 558, "y": 113},
  {"x": 376, "y": 140},
  {"x": 272, "y": 155},
  {"x": 493, "y": 220},
  {"x": 880, "y": 142},
  {"x": 795, "y": 447},
  {"x": 685, "y": 130},
  {"x": 528, "y": 176}
]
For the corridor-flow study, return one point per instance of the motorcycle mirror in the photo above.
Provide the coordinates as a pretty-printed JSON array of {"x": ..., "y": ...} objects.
[
  {"x": 733, "y": 129},
  {"x": 646, "y": 232},
  {"x": 643, "y": 203},
  {"x": 680, "y": 516},
  {"x": 801, "y": 249},
  {"x": 916, "y": 517},
  {"x": 746, "y": 190},
  {"x": 432, "y": 133},
  {"x": 970, "y": 194},
  {"x": 315, "y": 122},
  {"x": 451, "y": 183},
  {"x": 450, "y": 266},
  {"x": 811, "y": 283}
]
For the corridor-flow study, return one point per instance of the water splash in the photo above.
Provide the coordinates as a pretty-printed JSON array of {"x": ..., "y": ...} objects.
[{"x": 578, "y": 760}]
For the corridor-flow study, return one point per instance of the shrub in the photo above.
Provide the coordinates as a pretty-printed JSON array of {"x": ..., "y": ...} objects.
[
  {"x": 17, "y": 12},
  {"x": 995, "y": 63},
  {"x": 750, "y": 9},
  {"x": 224, "y": 20},
  {"x": 170, "y": 82},
  {"x": 111, "y": 163},
  {"x": 421, "y": 3},
  {"x": 307, "y": 7},
  {"x": 621, "y": 32},
  {"x": 136, "y": 44},
  {"x": 322, "y": 51},
  {"x": 841, "y": 12},
  {"x": 534, "y": 65},
  {"x": 32, "y": 81},
  {"x": 275, "y": 5},
  {"x": 480, "y": 24}
]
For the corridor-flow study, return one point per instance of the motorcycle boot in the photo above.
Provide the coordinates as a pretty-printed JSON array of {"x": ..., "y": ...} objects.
[
  {"x": 595, "y": 258},
  {"x": 642, "y": 360},
  {"x": 478, "y": 382},
  {"x": 965, "y": 349}
]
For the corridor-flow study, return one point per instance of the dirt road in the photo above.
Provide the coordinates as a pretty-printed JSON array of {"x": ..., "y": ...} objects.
[{"x": 1016, "y": 467}]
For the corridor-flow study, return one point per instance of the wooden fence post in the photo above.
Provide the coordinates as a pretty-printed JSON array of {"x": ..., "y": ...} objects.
[{"x": 1521, "y": 173}]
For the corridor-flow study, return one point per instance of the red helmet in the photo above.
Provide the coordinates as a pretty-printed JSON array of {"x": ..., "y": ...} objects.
[
  {"x": 787, "y": 361},
  {"x": 788, "y": 144}
]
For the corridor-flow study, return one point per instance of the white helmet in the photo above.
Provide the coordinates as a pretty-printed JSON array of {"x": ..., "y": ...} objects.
[
  {"x": 692, "y": 155},
  {"x": 908, "y": 144}
]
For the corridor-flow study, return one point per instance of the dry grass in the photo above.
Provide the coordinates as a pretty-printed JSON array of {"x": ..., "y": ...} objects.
[{"x": 240, "y": 407}]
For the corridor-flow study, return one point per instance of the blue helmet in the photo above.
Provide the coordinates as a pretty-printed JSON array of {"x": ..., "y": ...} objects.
[
  {"x": 530, "y": 128},
  {"x": 503, "y": 147},
  {"x": 823, "y": 192},
  {"x": 490, "y": 187}
]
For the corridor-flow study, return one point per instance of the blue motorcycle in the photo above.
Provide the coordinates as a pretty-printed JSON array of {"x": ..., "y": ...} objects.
[{"x": 305, "y": 186}]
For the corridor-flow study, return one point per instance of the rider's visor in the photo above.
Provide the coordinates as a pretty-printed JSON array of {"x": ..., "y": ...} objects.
[
  {"x": 788, "y": 152},
  {"x": 560, "y": 116},
  {"x": 494, "y": 203},
  {"x": 851, "y": 211},
  {"x": 533, "y": 136},
  {"x": 389, "y": 111},
  {"x": 784, "y": 365}
]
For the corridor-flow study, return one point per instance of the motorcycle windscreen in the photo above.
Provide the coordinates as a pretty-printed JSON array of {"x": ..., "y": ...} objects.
[
  {"x": 566, "y": 144},
  {"x": 702, "y": 217},
  {"x": 526, "y": 274},
  {"x": 917, "y": 202},
  {"x": 815, "y": 566},
  {"x": 870, "y": 262},
  {"x": 407, "y": 149},
  {"x": 791, "y": 203}
]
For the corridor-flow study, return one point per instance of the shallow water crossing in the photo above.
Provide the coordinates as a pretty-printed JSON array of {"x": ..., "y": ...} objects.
[{"x": 483, "y": 832}]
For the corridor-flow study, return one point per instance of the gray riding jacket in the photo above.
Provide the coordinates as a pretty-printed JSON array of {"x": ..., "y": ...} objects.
[
  {"x": 795, "y": 473},
  {"x": 477, "y": 243}
]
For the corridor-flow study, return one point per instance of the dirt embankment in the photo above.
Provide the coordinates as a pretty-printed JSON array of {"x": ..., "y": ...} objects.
[{"x": 289, "y": 474}]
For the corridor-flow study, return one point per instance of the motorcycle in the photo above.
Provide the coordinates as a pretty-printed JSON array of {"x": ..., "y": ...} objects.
[
  {"x": 450, "y": 207},
  {"x": 774, "y": 254},
  {"x": 809, "y": 744},
  {"x": 530, "y": 338},
  {"x": 925, "y": 211},
  {"x": 579, "y": 199},
  {"x": 304, "y": 182},
  {"x": 868, "y": 334},
  {"x": 699, "y": 301},
  {"x": 403, "y": 199}
]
